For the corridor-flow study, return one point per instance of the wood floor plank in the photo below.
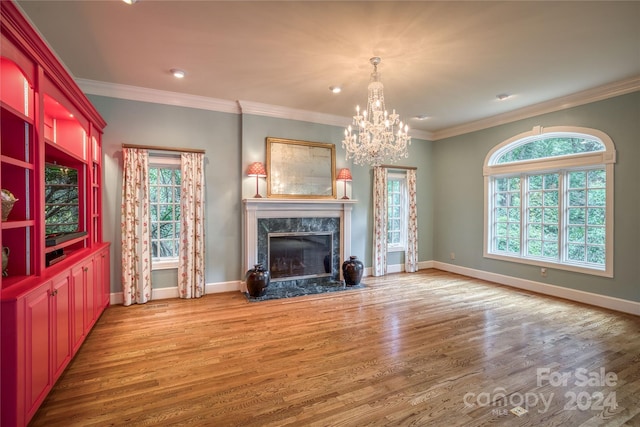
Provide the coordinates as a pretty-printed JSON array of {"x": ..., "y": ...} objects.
[{"x": 427, "y": 348}]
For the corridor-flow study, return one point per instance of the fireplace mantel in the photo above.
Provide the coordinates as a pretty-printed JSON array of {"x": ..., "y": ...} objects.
[
  {"x": 294, "y": 208},
  {"x": 296, "y": 202}
]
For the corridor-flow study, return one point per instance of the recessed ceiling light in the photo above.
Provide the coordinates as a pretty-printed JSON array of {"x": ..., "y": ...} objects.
[
  {"x": 178, "y": 73},
  {"x": 130, "y": 1},
  {"x": 335, "y": 89},
  {"x": 503, "y": 96},
  {"x": 421, "y": 117}
]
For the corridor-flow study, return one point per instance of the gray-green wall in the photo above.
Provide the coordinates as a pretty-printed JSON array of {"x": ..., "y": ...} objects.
[
  {"x": 144, "y": 123},
  {"x": 450, "y": 185},
  {"x": 458, "y": 198},
  {"x": 231, "y": 142},
  {"x": 255, "y": 129}
]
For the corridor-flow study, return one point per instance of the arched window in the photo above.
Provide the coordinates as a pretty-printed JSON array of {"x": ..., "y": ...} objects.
[{"x": 549, "y": 200}]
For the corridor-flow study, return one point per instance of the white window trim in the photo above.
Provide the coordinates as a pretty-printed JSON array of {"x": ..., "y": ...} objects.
[
  {"x": 164, "y": 263},
  {"x": 603, "y": 159},
  {"x": 160, "y": 160},
  {"x": 402, "y": 246}
]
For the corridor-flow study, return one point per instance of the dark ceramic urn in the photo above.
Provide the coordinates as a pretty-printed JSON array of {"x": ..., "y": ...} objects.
[
  {"x": 257, "y": 280},
  {"x": 352, "y": 270}
]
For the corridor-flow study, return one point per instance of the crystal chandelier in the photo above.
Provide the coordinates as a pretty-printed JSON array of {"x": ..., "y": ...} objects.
[{"x": 375, "y": 135}]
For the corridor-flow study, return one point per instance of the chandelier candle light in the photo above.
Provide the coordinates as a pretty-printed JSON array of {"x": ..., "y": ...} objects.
[
  {"x": 375, "y": 136},
  {"x": 344, "y": 175},
  {"x": 257, "y": 169}
]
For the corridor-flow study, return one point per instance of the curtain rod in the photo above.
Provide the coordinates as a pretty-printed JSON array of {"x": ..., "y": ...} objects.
[
  {"x": 399, "y": 167},
  {"x": 155, "y": 147}
]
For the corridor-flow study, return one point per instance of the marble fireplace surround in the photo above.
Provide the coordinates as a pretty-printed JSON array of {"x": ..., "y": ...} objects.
[{"x": 257, "y": 209}]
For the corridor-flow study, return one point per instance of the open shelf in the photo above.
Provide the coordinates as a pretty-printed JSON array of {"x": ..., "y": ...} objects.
[
  {"x": 9, "y": 281},
  {"x": 7, "y": 109},
  {"x": 15, "y": 162},
  {"x": 66, "y": 244},
  {"x": 8, "y": 225}
]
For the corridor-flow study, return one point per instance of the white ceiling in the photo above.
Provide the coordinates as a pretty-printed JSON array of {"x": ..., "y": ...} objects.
[{"x": 447, "y": 60}]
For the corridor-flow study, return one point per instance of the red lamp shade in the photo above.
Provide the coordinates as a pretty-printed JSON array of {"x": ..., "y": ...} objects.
[
  {"x": 344, "y": 175},
  {"x": 257, "y": 169}
]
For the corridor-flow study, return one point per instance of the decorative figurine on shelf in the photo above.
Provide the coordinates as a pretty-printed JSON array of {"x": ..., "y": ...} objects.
[{"x": 8, "y": 200}]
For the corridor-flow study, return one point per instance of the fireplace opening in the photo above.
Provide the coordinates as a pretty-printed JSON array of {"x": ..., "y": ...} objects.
[{"x": 300, "y": 255}]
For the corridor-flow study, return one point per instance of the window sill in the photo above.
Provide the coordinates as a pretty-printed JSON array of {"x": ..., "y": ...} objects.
[
  {"x": 549, "y": 264},
  {"x": 395, "y": 249},
  {"x": 164, "y": 264}
]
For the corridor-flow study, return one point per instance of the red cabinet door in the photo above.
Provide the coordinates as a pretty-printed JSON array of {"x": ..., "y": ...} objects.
[
  {"x": 84, "y": 303},
  {"x": 37, "y": 354},
  {"x": 77, "y": 301},
  {"x": 104, "y": 278},
  {"x": 90, "y": 294},
  {"x": 62, "y": 324}
]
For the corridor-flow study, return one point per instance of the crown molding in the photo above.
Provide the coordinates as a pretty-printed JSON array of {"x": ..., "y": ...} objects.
[
  {"x": 588, "y": 96},
  {"x": 249, "y": 107},
  {"x": 421, "y": 134},
  {"x": 258, "y": 109},
  {"x": 135, "y": 93}
]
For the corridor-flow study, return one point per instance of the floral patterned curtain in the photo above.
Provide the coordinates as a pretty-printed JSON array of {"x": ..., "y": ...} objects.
[
  {"x": 411, "y": 255},
  {"x": 191, "y": 282},
  {"x": 134, "y": 213},
  {"x": 379, "y": 221}
]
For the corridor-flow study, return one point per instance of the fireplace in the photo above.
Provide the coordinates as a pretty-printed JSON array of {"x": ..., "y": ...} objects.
[
  {"x": 300, "y": 255},
  {"x": 324, "y": 225},
  {"x": 295, "y": 233}
]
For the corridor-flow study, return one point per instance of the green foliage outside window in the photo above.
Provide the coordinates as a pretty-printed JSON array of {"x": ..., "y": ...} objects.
[
  {"x": 507, "y": 214},
  {"x": 395, "y": 212},
  {"x": 61, "y": 200},
  {"x": 585, "y": 215},
  {"x": 554, "y": 208},
  {"x": 164, "y": 209},
  {"x": 550, "y": 147}
]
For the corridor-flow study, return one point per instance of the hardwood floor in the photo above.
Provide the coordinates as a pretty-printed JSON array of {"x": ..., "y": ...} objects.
[{"x": 428, "y": 348}]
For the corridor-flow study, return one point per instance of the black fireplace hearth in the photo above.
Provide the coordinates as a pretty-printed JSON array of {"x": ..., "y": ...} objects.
[{"x": 296, "y": 288}]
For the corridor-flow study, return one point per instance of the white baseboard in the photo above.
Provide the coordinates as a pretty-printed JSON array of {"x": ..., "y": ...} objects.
[
  {"x": 116, "y": 298},
  {"x": 398, "y": 268},
  {"x": 425, "y": 264},
  {"x": 215, "y": 288},
  {"x": 597, "y": 300},
  {"x": 172, "y": 292}
]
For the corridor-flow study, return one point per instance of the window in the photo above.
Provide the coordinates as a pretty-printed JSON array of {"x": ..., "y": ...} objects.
[
  {"x": 549, "y": 200},
  {"x": 164, "y": 210},
  {"x": 396, "y": 212}
]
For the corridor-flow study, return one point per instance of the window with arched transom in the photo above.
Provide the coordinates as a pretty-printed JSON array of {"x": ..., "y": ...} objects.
[{"x": 549, "y": 200}]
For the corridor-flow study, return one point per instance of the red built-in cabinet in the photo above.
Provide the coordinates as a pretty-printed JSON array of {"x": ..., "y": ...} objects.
[{"x": 56, "y": 282}]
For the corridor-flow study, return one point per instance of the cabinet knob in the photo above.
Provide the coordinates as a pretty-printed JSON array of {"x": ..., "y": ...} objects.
[{"x": 85, "y": 269}]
